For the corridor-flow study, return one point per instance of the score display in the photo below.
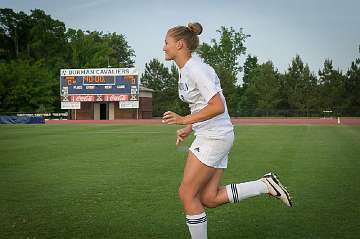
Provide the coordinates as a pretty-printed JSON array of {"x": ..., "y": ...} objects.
[{"x": 99, "y": 84}]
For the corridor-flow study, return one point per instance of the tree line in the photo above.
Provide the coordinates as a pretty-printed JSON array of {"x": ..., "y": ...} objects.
[
  {"x": 34, "y": 47},
  {"x": 264, "y": 90}
]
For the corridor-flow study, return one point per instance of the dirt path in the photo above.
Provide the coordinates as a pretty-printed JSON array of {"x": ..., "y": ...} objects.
[{"x": 236, "y": 121}]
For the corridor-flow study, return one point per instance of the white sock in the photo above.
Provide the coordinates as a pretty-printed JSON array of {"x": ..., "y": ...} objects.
[
  {"x": 237, "y": 192},
  {"x": 197, "y": 225}
]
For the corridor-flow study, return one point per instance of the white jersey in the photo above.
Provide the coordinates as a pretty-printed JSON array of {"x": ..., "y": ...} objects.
[{"x": 198, "y": 83}]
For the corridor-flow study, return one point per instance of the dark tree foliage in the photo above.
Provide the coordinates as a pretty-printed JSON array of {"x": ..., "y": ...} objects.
[
  {"x": 34, "y": 47},
  {"x": 164, "y": 83}
]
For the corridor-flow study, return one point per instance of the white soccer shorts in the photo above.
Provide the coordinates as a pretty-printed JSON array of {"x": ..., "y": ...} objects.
[{"x": 213, "y": 152}]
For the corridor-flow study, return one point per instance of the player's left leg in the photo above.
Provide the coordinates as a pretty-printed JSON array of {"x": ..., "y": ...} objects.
[
  {"x": 214, "y": 195},
  {"x": 268, "y": 184}
]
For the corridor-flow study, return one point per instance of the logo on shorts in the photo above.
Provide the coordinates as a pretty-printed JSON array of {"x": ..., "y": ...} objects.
[{"x": 197, "y": 149}]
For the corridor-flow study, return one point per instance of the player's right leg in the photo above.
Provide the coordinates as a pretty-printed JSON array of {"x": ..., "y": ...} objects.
[{"x": 196, "y": 176}]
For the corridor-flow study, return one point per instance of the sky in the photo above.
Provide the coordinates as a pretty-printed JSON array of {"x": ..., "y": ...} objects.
[{"x": 280, "y": 29}]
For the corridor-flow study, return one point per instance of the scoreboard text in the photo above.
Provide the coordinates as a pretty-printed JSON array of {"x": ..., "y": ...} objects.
[{"x": 99, "y": 84}]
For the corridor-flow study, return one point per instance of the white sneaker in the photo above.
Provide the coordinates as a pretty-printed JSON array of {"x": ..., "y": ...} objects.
[{"x": 276, "y": 189}]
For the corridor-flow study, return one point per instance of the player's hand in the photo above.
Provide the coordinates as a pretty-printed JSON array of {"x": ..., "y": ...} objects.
[
  {"x": 181, "y": 134},
  {"x": 172, "y": 118}
]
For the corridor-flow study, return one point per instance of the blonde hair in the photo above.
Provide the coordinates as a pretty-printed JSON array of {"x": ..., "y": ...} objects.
[{"x": 189, "y": 34}]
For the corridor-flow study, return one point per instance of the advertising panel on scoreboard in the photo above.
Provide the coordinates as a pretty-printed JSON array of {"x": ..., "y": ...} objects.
[
  {"x": 129, "y": 104},
  {"x": 99, "y": 84},
  {"x": 70, "y": 105}
]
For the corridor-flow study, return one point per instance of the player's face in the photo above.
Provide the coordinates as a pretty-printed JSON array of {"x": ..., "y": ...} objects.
[{"x": 170, "y": 48}]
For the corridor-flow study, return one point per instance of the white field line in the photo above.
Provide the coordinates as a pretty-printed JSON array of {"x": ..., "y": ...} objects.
[{"x": 127, "y": 132}]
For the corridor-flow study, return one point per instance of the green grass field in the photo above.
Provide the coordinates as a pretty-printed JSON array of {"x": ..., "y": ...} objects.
[{"x": 121, "y": 181}]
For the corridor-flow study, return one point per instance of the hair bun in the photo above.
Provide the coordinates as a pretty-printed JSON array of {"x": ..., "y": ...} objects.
[{"x": 195, "y": 27}]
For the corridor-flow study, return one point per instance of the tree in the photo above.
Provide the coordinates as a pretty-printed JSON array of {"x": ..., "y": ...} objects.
[
  {"x": 250, "y": 64},
  {"x": 121, "y": 54},
  {"x": 47, "y": 39},
  {"x": 301, "y": 88},
  {"x": 36, "y": 46},
  {"x": 224, "y": 57},
  {"x": 352, "y": 88},
  {"x": 246, "y": 95},
  {"x": 331, "y": 88},
  {"x": 176, "y": 105},
  {"x": 95, "y": 49},
  {"x": 283, "y": 105},
  {"x": 27, "y": 87},
  {"x": 164, "y": 83},
  {"x": 14, "y": 33},
  {"x": 265, "y": 86},
  {"x": 88, "y": 49}
]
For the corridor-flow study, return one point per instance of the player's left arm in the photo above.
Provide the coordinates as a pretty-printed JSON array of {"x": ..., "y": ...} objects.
[{"x": 214, "y": 107}]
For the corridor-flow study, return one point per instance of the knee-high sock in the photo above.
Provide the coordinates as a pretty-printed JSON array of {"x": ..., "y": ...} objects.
[
  {"x": 237, "y": 192},
  {"x": 197, "y": 225}
]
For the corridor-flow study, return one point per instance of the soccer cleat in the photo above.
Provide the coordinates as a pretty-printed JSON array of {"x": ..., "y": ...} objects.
[{"x": 276, "y": 189}]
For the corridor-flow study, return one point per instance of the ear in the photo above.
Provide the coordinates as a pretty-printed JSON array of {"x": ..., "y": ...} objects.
[{"x": 179, "y": 44}]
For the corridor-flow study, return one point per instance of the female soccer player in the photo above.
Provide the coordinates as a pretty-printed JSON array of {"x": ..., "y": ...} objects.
[{"x": 199, "y": 86}]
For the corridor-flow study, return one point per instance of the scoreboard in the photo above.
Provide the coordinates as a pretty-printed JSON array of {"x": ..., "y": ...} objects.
[{"x": 99, "y": 84}]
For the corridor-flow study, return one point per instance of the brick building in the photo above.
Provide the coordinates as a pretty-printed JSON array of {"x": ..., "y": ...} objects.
[{"x": 108, "y": 110}]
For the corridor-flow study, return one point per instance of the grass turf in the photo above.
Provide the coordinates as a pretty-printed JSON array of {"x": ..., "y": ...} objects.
[{"x": 120, "y": 181}]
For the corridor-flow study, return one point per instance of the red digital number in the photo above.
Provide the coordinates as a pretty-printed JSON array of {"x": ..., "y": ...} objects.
[
  {"x": 88, "y": 79},
  {"x": 100, "y": 79},
  {"x": 70, "y": 80}
]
